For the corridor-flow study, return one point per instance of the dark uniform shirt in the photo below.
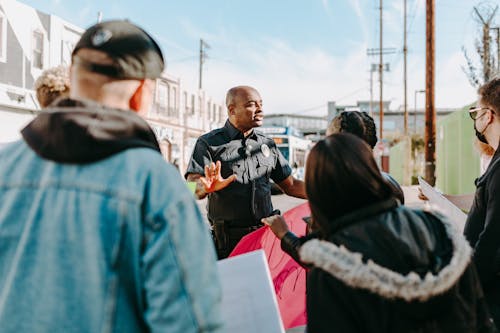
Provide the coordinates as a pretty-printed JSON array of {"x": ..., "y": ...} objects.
[{"x": 253, "y": 160}]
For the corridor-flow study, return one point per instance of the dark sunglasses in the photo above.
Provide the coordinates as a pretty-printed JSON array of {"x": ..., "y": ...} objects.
[{"x": 474, "y": 110}]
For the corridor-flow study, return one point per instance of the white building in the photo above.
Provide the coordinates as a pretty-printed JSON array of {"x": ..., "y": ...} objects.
[{"x": 32, "y": 41}]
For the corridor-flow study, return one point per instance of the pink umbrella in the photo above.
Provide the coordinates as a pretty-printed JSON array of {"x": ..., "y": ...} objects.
[{"x": 289, "y": 278}]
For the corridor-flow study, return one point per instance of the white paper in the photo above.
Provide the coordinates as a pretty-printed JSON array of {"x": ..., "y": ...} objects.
[
  {"x": 249, "y": 303},
  {"x": 444, "y": 205}
]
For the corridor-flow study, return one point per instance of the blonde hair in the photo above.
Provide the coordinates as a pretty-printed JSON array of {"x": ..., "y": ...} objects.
[
  {"x": 51, "y": 84},
  {"x": 484, "y": 148}
]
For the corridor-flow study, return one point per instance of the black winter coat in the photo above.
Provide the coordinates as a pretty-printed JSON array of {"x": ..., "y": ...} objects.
[
  {"x": 482, "y": 230},
  {"x": 388, "y": 268}
]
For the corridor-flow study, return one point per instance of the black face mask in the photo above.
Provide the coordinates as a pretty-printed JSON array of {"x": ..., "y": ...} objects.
[{"x": 480, "y": 136}]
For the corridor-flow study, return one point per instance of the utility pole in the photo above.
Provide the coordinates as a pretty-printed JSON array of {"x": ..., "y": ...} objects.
[
  {"x": 415, "y": 112},
  {"x": 203, "y": 56},
  {"x": 380, "y": 72},
  {"x": 430, "y": 111},
  {"x": 373, "y": 68},
  {"x": 380, "y": 52},
  {"x": 405, "y": 52}
]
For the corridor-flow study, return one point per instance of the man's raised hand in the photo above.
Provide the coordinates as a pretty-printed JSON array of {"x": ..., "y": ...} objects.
[{"x": 213, "y": 180}]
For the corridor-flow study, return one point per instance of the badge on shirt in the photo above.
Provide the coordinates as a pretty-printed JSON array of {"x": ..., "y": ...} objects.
[{"x": 265, "y": 150}]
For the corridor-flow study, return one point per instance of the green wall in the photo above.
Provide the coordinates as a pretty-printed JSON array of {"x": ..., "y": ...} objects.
[
  {"x": 398, "y": 160},
  {"x": 457, "y": 161}
]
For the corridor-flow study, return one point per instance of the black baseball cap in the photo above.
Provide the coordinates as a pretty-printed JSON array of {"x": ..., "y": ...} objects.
[{"x": 135, "y": 53}]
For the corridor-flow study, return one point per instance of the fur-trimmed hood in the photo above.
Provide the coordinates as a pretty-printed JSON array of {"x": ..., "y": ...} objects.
[{"x": 356, "y": 271}]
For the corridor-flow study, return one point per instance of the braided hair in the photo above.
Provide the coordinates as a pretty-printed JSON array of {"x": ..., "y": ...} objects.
[
  {"x": 357, "y": 123},
  {"x": 370, "y": 135}
]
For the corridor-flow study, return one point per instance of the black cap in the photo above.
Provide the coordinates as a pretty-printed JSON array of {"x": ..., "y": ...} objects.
[{"x": 135, "y": 53}]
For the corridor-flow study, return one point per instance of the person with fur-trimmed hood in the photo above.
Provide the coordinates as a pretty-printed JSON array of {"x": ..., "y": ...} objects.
[{"x": 378, "y": 266}]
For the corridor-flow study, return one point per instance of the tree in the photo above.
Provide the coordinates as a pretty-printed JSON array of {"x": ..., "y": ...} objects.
[{"x": 477, "y": 75}]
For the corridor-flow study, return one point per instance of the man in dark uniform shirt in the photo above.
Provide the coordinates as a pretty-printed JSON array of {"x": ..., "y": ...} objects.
[{"x": 233, "y": 165}]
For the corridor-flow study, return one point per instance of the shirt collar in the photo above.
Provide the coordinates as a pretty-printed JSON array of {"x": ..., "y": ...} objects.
[{"x": 235, "y": 133}]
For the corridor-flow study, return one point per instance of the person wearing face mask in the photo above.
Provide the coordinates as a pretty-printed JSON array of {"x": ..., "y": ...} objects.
[{"x": 482, "y": 228}]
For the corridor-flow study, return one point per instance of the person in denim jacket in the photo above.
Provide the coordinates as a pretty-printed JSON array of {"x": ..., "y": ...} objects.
[{"x": 97, "y": 232}]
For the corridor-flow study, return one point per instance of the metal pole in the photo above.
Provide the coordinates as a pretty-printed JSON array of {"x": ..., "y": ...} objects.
[
  {"x": 415, "y": 113},
  {"x": 430, "y": 111},
  {"x": 405, "y": 51},
  {"x": 381, "y": 71},
  {"x": 371, "y": 91},
  {"x": 201, "y": 64}
]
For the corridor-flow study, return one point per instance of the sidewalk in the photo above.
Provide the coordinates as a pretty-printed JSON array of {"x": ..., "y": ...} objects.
[{"x": 285, "y": 202}]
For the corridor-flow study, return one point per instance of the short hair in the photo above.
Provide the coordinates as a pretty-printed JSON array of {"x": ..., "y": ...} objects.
[
  {"x": 341, "y": 177},
  {"x": 230, "y": 95},
  {"x": 233, "y": 92},
  {"x": 489, "y": 94},
  {"x": 357, "y": 123},
  {"x": 52, "y": 84}
]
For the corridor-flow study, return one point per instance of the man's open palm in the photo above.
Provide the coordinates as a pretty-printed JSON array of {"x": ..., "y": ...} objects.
[{"x": 213, "y": 180}]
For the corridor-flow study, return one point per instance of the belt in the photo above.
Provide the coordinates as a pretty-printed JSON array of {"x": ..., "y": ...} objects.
[
  {"x": 240, "y": 223},
  {"x": 243, "y": 229}
]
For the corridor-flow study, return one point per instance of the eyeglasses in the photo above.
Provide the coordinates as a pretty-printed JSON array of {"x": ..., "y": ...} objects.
[{"x": 474, "y": 110}]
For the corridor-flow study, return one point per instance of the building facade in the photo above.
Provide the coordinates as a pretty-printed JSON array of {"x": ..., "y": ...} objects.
[
  {"x": 311, "y": 127},
  {"x": 32, "y": 41},
  {"x": 393, "y": 119}
]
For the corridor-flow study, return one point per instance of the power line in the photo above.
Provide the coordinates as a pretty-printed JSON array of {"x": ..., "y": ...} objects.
[{"x": 313, "y": 108}]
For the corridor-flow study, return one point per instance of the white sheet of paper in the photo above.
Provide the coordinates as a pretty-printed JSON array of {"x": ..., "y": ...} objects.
[
  {"x": 443, "y": 205},
  {"x": 249, "y": 303}
]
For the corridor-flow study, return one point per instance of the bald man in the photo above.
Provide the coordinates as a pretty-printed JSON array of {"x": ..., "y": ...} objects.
[{"x": 232, "y": 165}]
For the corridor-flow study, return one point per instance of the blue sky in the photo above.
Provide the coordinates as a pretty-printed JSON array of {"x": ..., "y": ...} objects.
[{"x": 298, "y": 53}]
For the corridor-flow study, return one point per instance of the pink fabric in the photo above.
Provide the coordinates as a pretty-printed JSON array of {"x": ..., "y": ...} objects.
[{"x": 289, "y": 278}]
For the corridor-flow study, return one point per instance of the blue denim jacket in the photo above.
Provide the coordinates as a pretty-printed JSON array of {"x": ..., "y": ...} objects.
[{"x": 118, "y": 245}]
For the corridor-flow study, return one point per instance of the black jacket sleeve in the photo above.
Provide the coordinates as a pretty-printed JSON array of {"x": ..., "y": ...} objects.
[
  {"x": 291, "y": 244},
  {"x": 487, "y": 249}
]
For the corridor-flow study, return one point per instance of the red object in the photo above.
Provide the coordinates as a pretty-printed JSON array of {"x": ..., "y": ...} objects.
[{"x": 289, "y": 278}]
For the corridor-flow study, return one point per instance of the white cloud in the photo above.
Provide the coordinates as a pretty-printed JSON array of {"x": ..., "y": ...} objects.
[
  {"x": 357, "y": 8},
  {"x": 326, "y": 7},
  {"x": 452, "y": 85},
  {"x": 289, "y": 80},
  {"x": 362, "y": 21},
  {"x": 292, "y": 79}
]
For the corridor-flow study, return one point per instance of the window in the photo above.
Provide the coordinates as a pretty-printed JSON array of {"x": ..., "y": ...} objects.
[
  {"x": 37, "y": 60},
  {"x": 3, "y": 38},
  {"x": 161, "y": 97},
  {"x": 173, "y": 102},
  {"x": 66, "y": 50},
  {"x": 169, "y": 98},
  {"x": 221, "y": 114},
  {"x": 192, "y": 104}
]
